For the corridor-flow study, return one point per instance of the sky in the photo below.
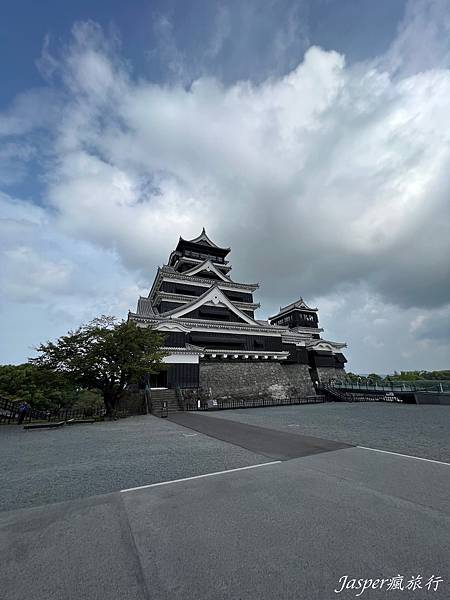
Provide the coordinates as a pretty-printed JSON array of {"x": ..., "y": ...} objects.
[{"x": 313, "y": 137}]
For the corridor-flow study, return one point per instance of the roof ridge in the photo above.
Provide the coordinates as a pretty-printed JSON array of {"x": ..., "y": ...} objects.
[{"x": 205, "y": 238}]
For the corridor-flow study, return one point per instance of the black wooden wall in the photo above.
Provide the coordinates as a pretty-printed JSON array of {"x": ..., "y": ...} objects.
[
  {"x": 321, "y": 358},
  {"x": 230, "y": 342},
  {"x": 195, "y": 290},
  {"x": 182, "y": 375}
]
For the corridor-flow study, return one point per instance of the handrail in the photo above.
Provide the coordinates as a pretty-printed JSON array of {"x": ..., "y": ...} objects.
[
  {"x": 180, "y": 398},
  {"x": 393, "y": 386}
]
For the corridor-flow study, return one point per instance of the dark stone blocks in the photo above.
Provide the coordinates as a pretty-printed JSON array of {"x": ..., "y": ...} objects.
[{"x": 254, "y": 379}]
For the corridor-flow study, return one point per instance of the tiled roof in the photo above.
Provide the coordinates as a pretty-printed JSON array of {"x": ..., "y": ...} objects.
[
  {"x": 144, "y": 307},
  {"x": 300, "y": 303}
]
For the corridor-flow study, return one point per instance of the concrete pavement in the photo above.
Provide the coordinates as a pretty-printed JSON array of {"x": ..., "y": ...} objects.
[
  {"x": 45, "y": 466},
  {"x": 405, "y": 428},
  {"x": 292, "y": 529},
  {"x": 287, "y": 530}
]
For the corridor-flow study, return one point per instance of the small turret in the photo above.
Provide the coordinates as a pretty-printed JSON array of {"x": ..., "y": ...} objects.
[
  {"x": 297, "y": 314},
  {"x": 189, "y": 253}
]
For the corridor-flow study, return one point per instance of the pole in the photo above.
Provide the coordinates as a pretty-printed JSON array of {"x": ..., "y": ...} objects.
[{"x": 146, "y": 395}]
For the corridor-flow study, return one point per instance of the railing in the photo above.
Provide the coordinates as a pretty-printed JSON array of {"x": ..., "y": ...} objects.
[
  {"x": 353, "y": 396},
  {"x": 192, "y": 405},
  {"x": 204, "y": 256},
  {"x": 9, "y": 413},
  {"x": 393, "y": 386},
  {"x": 180, "y": 398}
]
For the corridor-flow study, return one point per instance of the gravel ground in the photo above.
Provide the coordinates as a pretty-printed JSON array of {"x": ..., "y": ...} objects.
[
  {"x": 418, "y": 430},
  {"x": 43, "y": 466}
]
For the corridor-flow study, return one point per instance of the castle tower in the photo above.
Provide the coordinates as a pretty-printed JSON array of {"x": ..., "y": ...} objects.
[{"x": 213, "y": 340}]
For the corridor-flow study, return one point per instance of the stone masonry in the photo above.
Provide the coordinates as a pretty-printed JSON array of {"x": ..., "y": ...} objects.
[
  {"x": 327, "y": 373},
  {"x": 245, "y": 380}
]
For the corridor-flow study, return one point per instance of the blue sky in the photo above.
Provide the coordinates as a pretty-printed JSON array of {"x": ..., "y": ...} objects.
[
  {"x": 360, "y": 30},
  {"x": 311, "y": 136}
]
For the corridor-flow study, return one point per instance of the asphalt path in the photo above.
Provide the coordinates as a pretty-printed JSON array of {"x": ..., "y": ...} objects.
[
  {"x": 278, "y": 445},
  {"x": 45, "y": 466},
  {"x": 420, "y": 430},
  {"x": 286, "y": 530}
]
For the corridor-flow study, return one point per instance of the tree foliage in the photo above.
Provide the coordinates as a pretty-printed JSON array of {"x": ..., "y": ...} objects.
[
  {"x": 41, "y": 388},
  {"x": 402, "y": 376},
  {"x": 104, "y": 355}
]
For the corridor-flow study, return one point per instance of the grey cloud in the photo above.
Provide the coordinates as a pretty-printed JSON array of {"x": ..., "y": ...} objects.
[
  {"x": 328, "y": 181},
  {"x": 335, "y": 166},
  {"x": 434, "y": 326}
]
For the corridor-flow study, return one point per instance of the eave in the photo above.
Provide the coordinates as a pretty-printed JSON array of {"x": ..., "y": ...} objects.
[
  {"x": 172, "y": 297},
  {"x": 203, "y": 237},
  {"x": 246, "y": 354},
  {"x": 186, "y": 349},
  {"x": 163, "y": 274},
  {"x": 197, "y": 261},
  {"x": 161, "y": 322},
  {"x": 208, "y": 266},
  {"x": 215, "y": 295},
  {"x": 325, "y": 345},
  {"x": 191, "y": 260},
  {"x": 298, "y": 305}
]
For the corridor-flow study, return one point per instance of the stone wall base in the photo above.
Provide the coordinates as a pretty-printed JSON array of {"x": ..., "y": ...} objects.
[
  {"x": 327, "y": 373},
  {"x": 132, "y": 401},
  {"x": 247, "y": 380}
]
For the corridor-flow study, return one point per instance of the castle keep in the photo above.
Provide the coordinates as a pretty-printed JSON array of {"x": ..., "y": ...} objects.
[{"x": 214, "y": 342}]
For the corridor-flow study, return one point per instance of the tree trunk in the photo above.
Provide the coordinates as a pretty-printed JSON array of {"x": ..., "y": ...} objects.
[{"x": 110, "y": 401}]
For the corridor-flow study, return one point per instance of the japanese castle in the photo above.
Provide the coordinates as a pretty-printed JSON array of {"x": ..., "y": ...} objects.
[{"x": 214, "y": 342}]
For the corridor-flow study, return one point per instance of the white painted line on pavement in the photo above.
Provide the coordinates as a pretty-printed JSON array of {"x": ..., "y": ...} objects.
[
  {"x": 294, "y": 425},
  {"x": 189, "y": 434},
  {"x": 150, "y": 485},
  {"x": 439, "y": 462}
]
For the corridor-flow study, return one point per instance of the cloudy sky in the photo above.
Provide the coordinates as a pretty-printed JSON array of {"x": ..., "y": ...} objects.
[{"x": 313, "y": 137}]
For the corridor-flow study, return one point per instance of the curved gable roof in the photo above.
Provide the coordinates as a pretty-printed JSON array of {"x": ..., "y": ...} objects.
[
  {"x": 216, "y": 296},
  {"x": 204, "y": 239},
  {"x": 206, "y": 265},
  {"x": 299, "y": 304}
]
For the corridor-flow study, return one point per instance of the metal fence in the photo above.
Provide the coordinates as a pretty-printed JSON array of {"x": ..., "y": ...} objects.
[
  {"x": 424, "y": 385},
  {"x": 9, "y": 413},
  {"x": 192, "y": 405}
]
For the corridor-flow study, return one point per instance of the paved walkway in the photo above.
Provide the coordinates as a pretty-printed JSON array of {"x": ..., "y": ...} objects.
[
  {"x": 287, "y": 530},
  {"x": 405, "y": 428},
  {"x": 278, "y": 445},
  {"x": 290, "y": 529}
]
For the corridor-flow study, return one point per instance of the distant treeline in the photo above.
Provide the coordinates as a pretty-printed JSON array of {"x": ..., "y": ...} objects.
[
  {"x": 48, "y": 390},
  {"x": 402, "y": 376},
  {"x": 44, "y": 390}
]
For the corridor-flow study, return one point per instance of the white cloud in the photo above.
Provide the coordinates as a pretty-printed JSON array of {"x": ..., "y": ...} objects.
[
  {"x": 51, "y": 283},
  {"x": 326, "y": 181},
  {"x": 13, "y": 160},
  {"x": 26, "y": 112},
  {"x": 422, "y": 42},
  {"x": 348, "y": 166}
]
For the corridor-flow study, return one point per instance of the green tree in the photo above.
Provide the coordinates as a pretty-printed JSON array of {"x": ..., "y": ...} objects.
[
  {"x": 374, "y": 378},
  {"x": 43, "y": 389},
  {"x": 353, "y": 377},
  {"x": 104, "y": 355}
]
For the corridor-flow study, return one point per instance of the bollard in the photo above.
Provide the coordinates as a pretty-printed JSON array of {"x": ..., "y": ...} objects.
[{"x": 164, "y": 409}]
